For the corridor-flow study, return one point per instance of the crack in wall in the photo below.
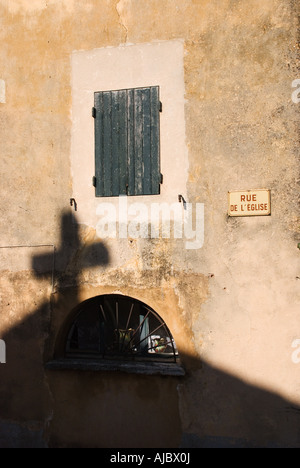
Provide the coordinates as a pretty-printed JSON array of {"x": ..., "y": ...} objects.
[{"x": 119, "y": 10}]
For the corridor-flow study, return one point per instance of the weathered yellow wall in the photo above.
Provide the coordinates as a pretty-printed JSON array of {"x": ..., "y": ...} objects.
[{"x": 233, "y": 305}]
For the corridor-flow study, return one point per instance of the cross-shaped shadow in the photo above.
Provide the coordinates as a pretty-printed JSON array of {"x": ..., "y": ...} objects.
[
  {"x": 29, "y": 342},
  {"x": 72, "y": 256},
  {"x": 68, "y": 409}
]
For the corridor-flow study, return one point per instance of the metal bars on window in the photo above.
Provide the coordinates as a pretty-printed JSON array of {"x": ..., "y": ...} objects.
[{"x": 118, "y": 327}]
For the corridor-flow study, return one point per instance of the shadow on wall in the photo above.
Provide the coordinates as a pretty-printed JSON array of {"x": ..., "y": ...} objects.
[
  {"x": 205, "y": 408},
  {"x": 233, "y": 414},
  {"x": 72, "y": 256}
]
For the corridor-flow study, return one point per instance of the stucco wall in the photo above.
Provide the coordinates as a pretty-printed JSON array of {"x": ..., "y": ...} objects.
[{"x": 233, "y": 304}]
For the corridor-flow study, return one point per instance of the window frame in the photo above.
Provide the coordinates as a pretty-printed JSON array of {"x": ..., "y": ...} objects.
[{"x": 63, "y": 359}]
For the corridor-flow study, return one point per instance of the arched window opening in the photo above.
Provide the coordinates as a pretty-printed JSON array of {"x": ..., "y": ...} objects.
[{"x": 115, "y": 327}]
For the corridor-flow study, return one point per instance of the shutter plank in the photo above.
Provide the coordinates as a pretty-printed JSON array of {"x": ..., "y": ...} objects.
[
  {"x": 130, "y": 142},
  {"x": 98, "y": 144},
  {"x": 146, "y": 142},
  {"x": 115, "y": 142},
  {"x": 155, "y": 141},
  {"x": 138, "y": 143},
  {"x": 107, "y": 145},
  {"x": 122, "y": 141}
]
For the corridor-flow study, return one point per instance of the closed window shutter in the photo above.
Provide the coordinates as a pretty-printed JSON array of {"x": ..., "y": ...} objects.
[{"x": 127, "y": 142}]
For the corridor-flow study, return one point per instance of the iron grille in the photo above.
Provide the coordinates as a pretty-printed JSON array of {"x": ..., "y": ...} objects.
[{"x": 119, "y": 327}]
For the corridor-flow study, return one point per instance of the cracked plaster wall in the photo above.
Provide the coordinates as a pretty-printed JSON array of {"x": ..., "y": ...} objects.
[{"x": 238, "y": 295}]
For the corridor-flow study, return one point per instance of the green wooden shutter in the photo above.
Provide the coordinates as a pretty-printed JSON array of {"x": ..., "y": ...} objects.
[{"x": 127, "y": 145}]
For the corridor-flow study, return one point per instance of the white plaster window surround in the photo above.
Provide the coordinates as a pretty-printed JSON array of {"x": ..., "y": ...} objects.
[{"x": 128, "y": 66}]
